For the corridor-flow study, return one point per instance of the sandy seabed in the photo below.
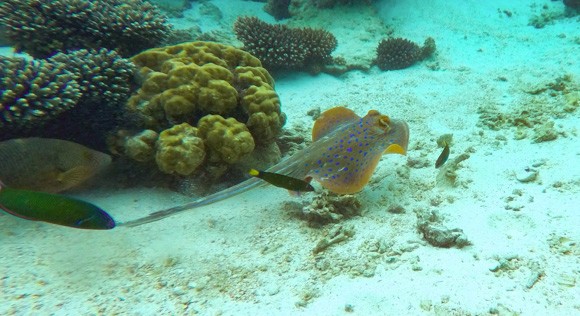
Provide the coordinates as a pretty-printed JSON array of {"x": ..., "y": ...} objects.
[{"x": 493, "y": 84}]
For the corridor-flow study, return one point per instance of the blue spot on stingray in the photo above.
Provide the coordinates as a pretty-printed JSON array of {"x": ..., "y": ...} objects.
[
  {"x": 329, "y": 169},
  {"x": 337, "y": 164},
  {"x": 349, "y": 149},
  {"x": 345, "y": 169}
]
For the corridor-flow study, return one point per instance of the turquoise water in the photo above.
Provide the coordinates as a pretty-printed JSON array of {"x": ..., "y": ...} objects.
[{"x": 494, "y": 231}]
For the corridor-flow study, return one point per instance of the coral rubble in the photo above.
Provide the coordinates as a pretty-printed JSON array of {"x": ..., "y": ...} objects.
[
  {"x": 327, "y": 207},
  {"x": 280, "y": 47}
]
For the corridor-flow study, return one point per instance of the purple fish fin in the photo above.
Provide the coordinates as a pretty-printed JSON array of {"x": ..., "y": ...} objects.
[{"x": 330, "y": 119}]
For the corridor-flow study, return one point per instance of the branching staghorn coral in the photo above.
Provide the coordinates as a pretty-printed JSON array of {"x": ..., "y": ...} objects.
[
  {"x": 280, "y": 47},
  {"x": 76, "y": 96},
  {"x": 43, "y": 28},
  {"x": 33, "y": 92}
]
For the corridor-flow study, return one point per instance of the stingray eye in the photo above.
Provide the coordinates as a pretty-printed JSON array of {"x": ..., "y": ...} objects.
[{"x": 384, "y": 121}]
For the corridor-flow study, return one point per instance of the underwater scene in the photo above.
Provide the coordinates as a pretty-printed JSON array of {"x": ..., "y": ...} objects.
[{"x": 289, "y": 157}]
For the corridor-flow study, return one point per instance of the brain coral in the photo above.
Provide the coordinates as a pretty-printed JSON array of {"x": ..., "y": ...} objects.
[
  {"x": 227, "y": 139},
  {"x": 185, "y": 82},
  {"x": 179, "y": 150},
  {"x": 42, "y": 28},
  {"x": 280, "y": 47}
]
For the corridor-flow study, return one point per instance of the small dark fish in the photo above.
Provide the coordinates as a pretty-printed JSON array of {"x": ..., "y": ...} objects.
[
  {"x": 443, "y": 157},
  {"x": 53, "y": 208},
  {"x": 282, "y": 181}
]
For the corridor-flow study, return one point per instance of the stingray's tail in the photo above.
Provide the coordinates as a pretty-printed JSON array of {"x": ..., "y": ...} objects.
[{"x": 212, "y": 198}]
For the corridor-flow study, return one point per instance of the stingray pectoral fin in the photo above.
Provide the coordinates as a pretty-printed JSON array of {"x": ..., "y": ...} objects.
[
  {"x": 331, "y": 119},
  {"x": 395, "y": 149},
  {"x": 355, "y": 181}
]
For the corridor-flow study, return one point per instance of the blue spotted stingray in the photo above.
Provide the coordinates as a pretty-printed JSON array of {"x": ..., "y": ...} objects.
[{"x": 344, "y": 153}]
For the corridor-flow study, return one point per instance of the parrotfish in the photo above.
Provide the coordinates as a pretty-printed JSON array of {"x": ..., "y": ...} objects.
[
  {"x": 53, "y": 208},
  {"x": 282, "y": 181},
  {"x": 48, "y": 165},
  {"x": 344, "y": 153}
]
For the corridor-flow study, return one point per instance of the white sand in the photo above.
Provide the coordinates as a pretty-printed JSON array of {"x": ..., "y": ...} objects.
[{"x": 250, "y": 256}]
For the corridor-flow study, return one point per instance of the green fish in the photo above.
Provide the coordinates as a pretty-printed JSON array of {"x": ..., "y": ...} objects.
[
  {"x": 282, "y": 181},
  {"x": 53, "y": 208},
  {"x": 344, "y": 153}
]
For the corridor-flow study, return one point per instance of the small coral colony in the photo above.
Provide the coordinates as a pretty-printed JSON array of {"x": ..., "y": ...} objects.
[{"x": 113, "y": 77}]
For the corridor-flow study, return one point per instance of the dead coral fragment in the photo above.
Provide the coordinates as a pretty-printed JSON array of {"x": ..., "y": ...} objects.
[
  {"x": 438, "y": 234},
  {"x": 447, "y": 175},
  {"x": 327, "y": 207},
  {"x": 179, "y": 150},
  {"x": 336, "y": 235}
]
